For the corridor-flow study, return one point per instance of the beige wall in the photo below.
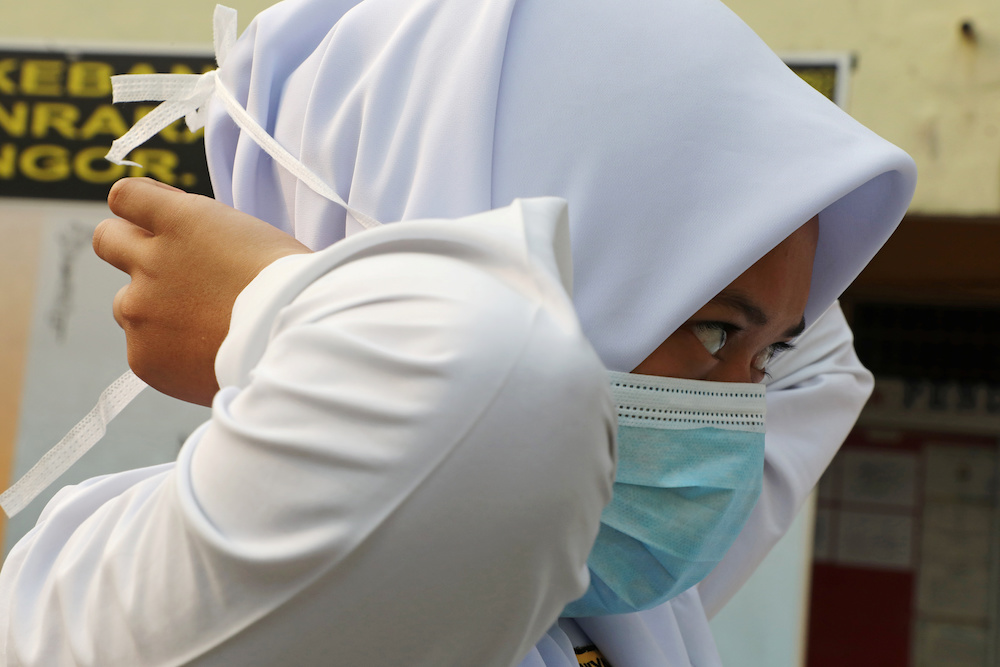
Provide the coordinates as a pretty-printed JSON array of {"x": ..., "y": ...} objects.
[
  {"x": 20, "y": 229},
  {"x": 179, "y": 22},
  {"x": 919, "y": 82}
]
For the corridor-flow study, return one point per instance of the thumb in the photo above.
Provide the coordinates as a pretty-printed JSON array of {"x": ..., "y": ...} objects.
[{"x": 144, "y": 202}]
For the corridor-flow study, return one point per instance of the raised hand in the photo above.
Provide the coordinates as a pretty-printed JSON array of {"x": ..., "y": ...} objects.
[{"x": 189, "y": 257}]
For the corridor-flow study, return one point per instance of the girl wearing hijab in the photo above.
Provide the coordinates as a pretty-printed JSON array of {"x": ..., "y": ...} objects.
[{"x": 690, "y": 157}]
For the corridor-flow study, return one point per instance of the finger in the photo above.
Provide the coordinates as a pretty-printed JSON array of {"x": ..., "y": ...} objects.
[
  {"x": 145, "y": 202},
  {"x": 119, "y": 243},
  {"x": 161, "y": 184},
  {"x": 116, "y": 306}
]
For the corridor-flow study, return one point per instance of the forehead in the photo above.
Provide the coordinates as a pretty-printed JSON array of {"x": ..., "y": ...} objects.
[
  {"x": 776, "y": 288},
  {"x": 755, "y": 315}
]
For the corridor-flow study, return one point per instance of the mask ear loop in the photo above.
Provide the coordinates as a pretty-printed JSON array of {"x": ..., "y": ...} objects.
[
  {"x": 187, "y": 95},
  {"x": 184, "y": 95},
  {"x": 73, "y": 445}
]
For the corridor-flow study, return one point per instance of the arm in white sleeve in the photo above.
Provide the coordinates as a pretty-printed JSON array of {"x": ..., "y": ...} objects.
[
  {"x": 814, "y": 397},
  {"x": 406, "y": 465}
]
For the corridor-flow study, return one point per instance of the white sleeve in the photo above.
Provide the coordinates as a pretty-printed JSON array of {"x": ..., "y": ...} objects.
[
  {"x": 413, "y": 474},
  {"x": 814, "y": 397}
]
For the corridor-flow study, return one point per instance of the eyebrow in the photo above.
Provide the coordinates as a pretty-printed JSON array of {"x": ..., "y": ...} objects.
[
  {"x": 754, "y": 314},
  {"x": 797, "y": 329}
]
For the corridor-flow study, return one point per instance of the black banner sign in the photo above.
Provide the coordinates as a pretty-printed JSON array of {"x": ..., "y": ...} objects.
[
  {"x": 57, "y": 123},
  {"x": 821, "y": 77}
]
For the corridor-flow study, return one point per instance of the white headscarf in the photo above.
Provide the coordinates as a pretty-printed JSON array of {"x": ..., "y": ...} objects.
[{"x": 685, "y": 148}]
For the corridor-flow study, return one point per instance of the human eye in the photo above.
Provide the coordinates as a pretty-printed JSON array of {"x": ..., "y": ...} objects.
[
  {"x": 712, "y": 335},
  {"x": 768, "y": 354}
]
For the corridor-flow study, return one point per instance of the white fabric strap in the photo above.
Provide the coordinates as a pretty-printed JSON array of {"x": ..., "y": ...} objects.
[
  {"x": 73, "y": 445},
  {"x": 284, "y": 158},
  {"x": 187, "y": 95}
]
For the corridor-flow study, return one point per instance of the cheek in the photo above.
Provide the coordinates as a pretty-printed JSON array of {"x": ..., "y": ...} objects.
[{"x": 680, "y": 356}]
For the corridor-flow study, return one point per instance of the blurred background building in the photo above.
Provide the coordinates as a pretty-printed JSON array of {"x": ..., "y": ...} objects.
[
  {"x": 905, "y": 560},
  {"x": 896, "y": 559}
]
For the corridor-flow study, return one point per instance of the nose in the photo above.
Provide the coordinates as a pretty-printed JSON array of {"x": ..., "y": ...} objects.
[{"x": 733, "y": 370}]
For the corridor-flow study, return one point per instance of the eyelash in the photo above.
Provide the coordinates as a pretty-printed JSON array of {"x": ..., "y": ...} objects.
[{"x": 777, "y": 349}]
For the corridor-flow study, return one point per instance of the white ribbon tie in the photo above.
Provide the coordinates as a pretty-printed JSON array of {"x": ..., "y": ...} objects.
[
  {"x": 73, "y": 445},
  {"x": 188, "y": 96}
]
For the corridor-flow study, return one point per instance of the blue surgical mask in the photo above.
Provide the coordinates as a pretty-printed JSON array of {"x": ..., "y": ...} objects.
[{"x": 690, "y": 470}]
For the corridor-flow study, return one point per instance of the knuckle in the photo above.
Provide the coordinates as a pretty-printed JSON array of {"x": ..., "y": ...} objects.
[
  {"x": 128, "y": 310},
  {"x": 129, "y": 313}
]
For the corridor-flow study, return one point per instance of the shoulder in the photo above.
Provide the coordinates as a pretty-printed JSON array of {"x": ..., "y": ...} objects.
[{"x": 479, "y": 284}]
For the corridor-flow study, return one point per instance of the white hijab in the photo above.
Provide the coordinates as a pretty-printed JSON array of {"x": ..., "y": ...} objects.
[{"x": 685, "y": 148}]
